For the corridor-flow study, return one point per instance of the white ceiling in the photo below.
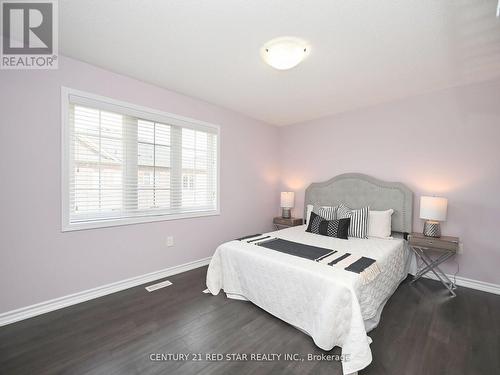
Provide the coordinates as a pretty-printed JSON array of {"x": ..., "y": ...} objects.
[{"x": 363, "y": 52}]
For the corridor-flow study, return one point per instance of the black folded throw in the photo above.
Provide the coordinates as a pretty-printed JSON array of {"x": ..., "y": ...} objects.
[
  {"x": 360, "y": 265},
  {"x": 315, "y": 253},
  {"x": 295, "y": 248},
  {"x": 252, "y": 235}
]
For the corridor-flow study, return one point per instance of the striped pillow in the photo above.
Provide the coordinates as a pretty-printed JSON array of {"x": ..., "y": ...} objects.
[
  {"x": 359, "y": 220},
  {"x": 326, "y": 212}
]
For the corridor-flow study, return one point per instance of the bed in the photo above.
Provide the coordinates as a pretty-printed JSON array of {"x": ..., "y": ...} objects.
[{"x": 333, "y": 306}]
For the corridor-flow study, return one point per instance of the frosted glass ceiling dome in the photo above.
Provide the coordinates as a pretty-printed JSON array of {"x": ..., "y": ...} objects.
[{"x": 285, "y": 52}]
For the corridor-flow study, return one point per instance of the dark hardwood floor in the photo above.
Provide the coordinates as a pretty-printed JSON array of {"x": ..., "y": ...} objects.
[{"x": 422, "y": 331}]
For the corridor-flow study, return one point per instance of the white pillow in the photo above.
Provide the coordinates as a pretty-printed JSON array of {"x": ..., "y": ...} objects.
[
  {"x": 379, "y": 223},
  {"x": 310, "y": 209}
]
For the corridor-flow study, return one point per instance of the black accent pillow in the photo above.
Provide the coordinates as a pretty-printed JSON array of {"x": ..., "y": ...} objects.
[{"x": 338, "y": 228}]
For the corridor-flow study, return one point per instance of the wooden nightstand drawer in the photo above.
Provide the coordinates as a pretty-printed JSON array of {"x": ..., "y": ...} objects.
[
  {"x": 445, "y": 242},
  {"x": 292, "y": 222}
]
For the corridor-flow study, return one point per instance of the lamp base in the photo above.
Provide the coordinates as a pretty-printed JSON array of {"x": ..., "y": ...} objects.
[
  {"x": 285, "y": 213},
  {"x": 432, "y": 228}
]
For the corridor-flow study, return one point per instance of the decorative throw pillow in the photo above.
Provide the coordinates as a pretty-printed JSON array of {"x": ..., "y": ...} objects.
[
  {"x": 326, "y": 212},
  {"x": 379, "y": 223},
  {"x": 359, "y": 220},
  {"x": 332, "y": 228}
]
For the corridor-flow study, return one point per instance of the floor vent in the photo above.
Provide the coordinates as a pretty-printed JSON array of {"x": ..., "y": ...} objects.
[{"x": 163, "y": 284}]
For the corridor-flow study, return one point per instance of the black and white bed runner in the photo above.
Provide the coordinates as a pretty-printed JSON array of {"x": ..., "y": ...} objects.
[{"x": 364, "y": 266}]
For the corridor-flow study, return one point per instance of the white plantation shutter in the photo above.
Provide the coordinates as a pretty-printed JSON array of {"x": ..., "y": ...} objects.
[{"x": 124, "y": 164}]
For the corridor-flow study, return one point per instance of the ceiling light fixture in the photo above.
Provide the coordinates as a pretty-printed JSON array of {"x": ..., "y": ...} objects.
[
  {"x": 498, "y": 9},
  {"x": 285, "y": 52}
]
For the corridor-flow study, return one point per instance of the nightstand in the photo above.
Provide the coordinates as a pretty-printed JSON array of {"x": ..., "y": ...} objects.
[
  {"x": 432, "y": 252},
  {"x": 281, "y": 223}
]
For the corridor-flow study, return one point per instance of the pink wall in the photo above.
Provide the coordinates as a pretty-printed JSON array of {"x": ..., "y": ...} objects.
[
  {"x": 444, "y": 143},
  {"x": 38, "y": 262}
]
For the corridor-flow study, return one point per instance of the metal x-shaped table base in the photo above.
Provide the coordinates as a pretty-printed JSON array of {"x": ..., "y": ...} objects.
[{"x": 433, "y": 265}]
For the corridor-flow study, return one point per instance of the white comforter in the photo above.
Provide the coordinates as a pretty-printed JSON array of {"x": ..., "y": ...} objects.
[{"x": 332, "y": 305}]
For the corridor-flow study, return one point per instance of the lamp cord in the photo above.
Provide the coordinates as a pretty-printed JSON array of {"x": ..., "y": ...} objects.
[{"x": 456, "y": 272}]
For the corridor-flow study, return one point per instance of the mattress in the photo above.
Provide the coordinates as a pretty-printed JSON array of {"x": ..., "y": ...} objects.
[{"x": 335, "y": 307}]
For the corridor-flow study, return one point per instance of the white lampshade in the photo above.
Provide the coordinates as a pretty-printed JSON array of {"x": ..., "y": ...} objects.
[
  {"x": 287, "y": 199},
  {"x": 433, "y": 208}
]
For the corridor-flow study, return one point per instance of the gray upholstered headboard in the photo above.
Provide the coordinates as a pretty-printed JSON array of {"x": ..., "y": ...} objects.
[{"x": 357, "y": 190}]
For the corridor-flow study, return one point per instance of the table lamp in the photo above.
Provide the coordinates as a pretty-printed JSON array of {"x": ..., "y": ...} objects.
[
  {"x": 433, "y": 210},
  {"x": 287, "y": 199}
]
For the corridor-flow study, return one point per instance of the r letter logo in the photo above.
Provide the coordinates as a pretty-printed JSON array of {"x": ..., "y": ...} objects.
[{"x": 29, "y": 34}]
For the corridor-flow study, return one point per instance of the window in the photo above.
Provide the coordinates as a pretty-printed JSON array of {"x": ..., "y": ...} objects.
[{"x": 126, "y": 164}]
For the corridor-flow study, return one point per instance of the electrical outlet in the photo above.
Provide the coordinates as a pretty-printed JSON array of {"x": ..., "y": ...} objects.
[
  {"x": 460, "y": 247},
  {"x": 170, "y": 241}
]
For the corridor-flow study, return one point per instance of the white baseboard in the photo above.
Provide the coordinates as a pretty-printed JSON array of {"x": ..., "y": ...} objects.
[
  {"x": 86, "y": 295},
  {"x": 470, "y": 283},
  {"x": 72, "y": 299}
]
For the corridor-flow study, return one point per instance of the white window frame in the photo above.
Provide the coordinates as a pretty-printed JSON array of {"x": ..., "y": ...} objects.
[{"x": 154, "y": 115}]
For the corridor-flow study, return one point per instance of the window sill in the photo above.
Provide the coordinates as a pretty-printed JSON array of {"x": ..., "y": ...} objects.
[{"x": 66, "y": 227}]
